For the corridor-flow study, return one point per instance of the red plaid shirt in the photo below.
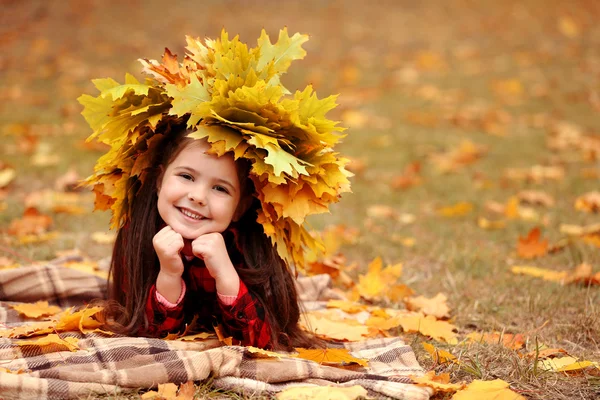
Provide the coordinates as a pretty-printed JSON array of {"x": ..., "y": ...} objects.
[{"x": 244, "y": 320}]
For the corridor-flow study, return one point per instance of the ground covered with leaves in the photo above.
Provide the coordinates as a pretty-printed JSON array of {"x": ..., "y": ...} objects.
[{"x": 475, "y": 143}]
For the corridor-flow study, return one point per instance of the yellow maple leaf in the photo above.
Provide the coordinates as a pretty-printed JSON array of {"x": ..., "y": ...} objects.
[
  {"x": 435, "y": 306},
  {"x": 37, "y": 328},
  {"x": 36, "y": 310},
  {"x": 81, "y": 320},
  {"x": 323, "y": 393},
  {"x": 53, "y": 339},
  {"x": 440, "y": 356},
  {"x": 429, "y": 326},
  {"x": 166, "y": 391},
  {"x": 330, "y": 356},
  {"x": 336, "y": 330},
  {"x": 347, "y": 306},
  {"x": 439, "y": 383},
  {"x": 566, "y": 364},
  {"x": 261, "y": 353},
  {"x": 496, "y": 389}
]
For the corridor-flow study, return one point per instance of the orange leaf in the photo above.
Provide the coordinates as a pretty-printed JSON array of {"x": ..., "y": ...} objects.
[
  {"x": 589, "y": 202},
  {"x": 531, "y": 246},
  {"x": 36, "y": 310},
  {"x": 330, "y": 356},
  {"x": 186, "y": 391},
  {"x": 32, "y": 223},
  {"x": 508, "y": 340}
]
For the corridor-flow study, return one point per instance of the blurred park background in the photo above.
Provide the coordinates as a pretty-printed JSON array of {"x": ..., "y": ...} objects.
[{"x": 471, "y": 124}]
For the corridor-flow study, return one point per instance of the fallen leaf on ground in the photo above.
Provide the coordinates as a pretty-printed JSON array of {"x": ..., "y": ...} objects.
[
  {"x": 465, "y": 154},
  {"x": 429, "y": 326},
  {"x": 334, "y": 329},
  {"x": 409, "y": 177},
  {"x": 546, "y": 274},
  {"x": 508, "y": 340},
  {"x": 536, "y": 197},
  {"x": 479, "y": 390},
  {"x": 440, "y": 356},
  {"x": 36, "y": 310},
  {"x": 531, "y": 246},
  {"x": 166, "y": 391},
  {"x": 261, "y": 353},
  {"x": 582, "y": 274},
  {"x": 376, "y": 283},
  {"x": 53, "y": 339},
  {"x": 439, "y": 383},
  {"x": 435, "y": 306},
  {"x": 546, "y": 353},
  {"x": 330, "y": 356},
  {"x": 7, "y": 175},
  {"x": 32, "y": 223},
  {"x": 104, "y": 237},
  {"x": 536, "y": 173},
  {"x": 347, "y": 306},
  {"x": 323, "y": 393},
  {"x": 37, "y": 328},
  {"x": 485, "y": 223},
  {"x": 566, "y": 364},
  {"x": 87, "y": 266},
  {"x": 457, "y": 210},
  {"x": 589, "y": 202},
  {"x": 197, "y": 336}
]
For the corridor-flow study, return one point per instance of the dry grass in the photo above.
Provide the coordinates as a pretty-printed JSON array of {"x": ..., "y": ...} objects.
[{"x": 385, "y": 47}]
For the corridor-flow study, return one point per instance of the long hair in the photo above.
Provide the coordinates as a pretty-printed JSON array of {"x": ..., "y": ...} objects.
[{"x": 135, "y": 266}]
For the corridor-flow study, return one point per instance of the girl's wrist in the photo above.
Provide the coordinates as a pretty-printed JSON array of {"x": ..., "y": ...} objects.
[
  {"x": 169, "y": 286},
  {"x": 228, "y": 281}
]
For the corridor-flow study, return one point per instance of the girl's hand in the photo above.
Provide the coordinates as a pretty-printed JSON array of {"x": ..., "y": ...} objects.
[
  {"x": 167, "y": 244},
  {"x": 211, "y": 248}
]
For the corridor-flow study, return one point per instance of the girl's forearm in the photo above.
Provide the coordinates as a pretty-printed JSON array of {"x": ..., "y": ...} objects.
[{"x": 169, "y": 286}]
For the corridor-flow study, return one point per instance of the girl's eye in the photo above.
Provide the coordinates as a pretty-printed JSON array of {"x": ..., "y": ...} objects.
[
  {"x": 187, "y": 177},
  {"x": 221, "y": 189}
]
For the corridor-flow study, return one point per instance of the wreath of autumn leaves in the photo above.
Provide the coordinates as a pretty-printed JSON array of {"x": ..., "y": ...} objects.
[{"x": 234, "y": 99}]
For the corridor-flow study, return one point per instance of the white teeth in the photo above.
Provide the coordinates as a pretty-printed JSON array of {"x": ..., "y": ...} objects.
[{"x": 189, "y": 214}]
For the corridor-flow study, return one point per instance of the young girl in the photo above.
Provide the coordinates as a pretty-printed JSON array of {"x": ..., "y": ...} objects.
[{"x": 209, "y": 177}]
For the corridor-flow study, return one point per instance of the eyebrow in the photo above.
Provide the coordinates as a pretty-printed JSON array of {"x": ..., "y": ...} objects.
[{"x": 219, "y": 180}]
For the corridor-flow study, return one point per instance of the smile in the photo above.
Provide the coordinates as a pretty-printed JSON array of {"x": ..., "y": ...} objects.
[{"x": 191, "y": 214}]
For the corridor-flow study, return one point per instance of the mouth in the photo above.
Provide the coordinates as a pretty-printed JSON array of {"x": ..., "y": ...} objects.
[{"x": 191, "y": 214}]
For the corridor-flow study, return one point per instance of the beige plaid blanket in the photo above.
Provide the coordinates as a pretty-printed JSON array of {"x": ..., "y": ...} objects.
[{"x": 115, "y": 364}]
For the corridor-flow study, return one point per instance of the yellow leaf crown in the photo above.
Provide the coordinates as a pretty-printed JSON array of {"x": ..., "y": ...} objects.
[{"x": 234, "y": 98}]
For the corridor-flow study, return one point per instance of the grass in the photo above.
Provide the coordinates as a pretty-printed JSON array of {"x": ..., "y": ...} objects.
[{"x": 478, "y": 43}]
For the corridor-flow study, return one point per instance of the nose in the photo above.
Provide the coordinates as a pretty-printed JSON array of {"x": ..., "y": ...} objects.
[{"x": 197, "y": 194}]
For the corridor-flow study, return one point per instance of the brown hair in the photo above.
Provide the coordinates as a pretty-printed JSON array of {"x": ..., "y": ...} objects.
[{"x": 135, "y": 266}]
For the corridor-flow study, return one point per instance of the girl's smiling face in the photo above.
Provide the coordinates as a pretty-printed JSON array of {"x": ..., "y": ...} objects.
[{"x": 199, "y": 193}]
